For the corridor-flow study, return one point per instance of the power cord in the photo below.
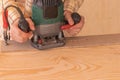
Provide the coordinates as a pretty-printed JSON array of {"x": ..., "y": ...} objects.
[{"x": 22, "y": 24}]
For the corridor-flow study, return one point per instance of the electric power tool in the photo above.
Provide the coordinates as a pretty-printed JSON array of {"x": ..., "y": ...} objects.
[{"x": 48, "y": 17}]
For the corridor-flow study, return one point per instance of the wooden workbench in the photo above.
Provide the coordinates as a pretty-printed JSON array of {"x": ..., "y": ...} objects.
[
  {"x": 91, "y": 63},
  {"x": 88, "y": 63}
]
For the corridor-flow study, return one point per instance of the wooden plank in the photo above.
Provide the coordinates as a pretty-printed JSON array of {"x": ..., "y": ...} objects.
[
  {"x": 83, "y": 41},
  {"x": 92, "y": 63}
]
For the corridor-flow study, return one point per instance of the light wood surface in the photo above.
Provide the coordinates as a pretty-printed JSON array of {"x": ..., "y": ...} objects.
[{"x": 92, "y": 63}]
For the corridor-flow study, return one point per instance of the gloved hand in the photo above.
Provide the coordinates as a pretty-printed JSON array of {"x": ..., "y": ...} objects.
[
  {"x": 18, "y": 35},
  {"x": 75, "y": 29}
]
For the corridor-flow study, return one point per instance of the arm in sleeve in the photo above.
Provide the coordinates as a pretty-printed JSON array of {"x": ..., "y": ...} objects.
[
  {"x": 12, "y": 12},
  {"x": 28, "y": 8},
  {"x": 72, "y": 5}
]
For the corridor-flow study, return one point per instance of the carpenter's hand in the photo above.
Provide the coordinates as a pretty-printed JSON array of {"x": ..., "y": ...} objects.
[
  {"x": 75, "y": 29},
  {"x": 18, "y": 35}
]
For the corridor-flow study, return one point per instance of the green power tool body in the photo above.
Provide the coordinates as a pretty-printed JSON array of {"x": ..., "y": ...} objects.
[{"x": 48, "y": 18}]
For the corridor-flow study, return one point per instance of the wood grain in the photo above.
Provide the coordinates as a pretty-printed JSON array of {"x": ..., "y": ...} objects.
[{"x": 92, "y": 63}]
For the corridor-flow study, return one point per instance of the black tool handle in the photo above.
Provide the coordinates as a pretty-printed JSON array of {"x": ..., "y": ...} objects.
[
  {"x": 23, "y": 25},
  {"x": 76, "y": 17}
]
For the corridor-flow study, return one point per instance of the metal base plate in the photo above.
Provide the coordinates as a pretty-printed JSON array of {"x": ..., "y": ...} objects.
[{"x": 42, "y": 47}]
